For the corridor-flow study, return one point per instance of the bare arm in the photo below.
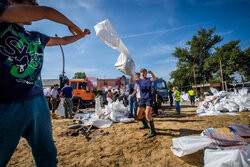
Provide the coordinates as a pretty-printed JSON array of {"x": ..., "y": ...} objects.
[
  {"x": 66, "y": 40},
  {"x": 27, "y": 13},
  {"x": 132, "y": 94},
  {"x": 60, "y": 95},
  {"x": 153, "y": 76}
]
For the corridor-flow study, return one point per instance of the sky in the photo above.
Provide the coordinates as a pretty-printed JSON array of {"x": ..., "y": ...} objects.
[{"x": 150, "y": 29}]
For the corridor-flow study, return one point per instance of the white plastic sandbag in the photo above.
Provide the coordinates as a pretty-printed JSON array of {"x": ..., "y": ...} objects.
[
  {"x": 125, "y": 64},
  {"x": 214, "y": 91},
  {"x": 108, "y": 34},
  {"x": 189, "y": 144},
  {"x": 99, "y": 123},
  {"x": 126, "y": 120},
  {"x": 60, "y": 108},
  {"x": 98, "y": 108},
  {"x": 226, "y": 158}
]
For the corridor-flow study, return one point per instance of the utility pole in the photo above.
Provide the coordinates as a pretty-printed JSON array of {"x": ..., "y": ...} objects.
[
  {"x": 195, "y": 77},
  {"x": 222, "y": 76},
  {"x": 63, "y": 72},
  {"x": 62, "y": 78}
]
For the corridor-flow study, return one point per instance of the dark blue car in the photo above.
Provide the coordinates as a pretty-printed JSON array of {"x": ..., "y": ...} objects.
[{"x": 162, "y": 90}]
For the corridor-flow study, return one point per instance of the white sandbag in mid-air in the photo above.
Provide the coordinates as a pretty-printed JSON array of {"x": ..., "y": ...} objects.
[{"x": 108, "y": 34}]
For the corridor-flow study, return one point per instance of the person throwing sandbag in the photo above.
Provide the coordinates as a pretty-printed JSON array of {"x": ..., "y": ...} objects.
[
  {"x": 23, "y": 108},
  {"x": 146, "y": 101}
]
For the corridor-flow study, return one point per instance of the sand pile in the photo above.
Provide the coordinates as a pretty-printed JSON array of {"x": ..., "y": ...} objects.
[{"x": 124, "y": 145}]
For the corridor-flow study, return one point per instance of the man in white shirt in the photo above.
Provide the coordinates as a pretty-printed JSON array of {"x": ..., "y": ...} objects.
[
  {"x": 137, "y": 89},
  {"x": 54, "y": 100}
]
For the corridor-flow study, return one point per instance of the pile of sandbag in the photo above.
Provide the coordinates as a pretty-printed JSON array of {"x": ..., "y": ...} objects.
[
  {"x": 103, "y": 118},
  {"x": 223, "y": 146},
  {"x": 224, "y": 101},
  {"x": 185, "y": 97}
]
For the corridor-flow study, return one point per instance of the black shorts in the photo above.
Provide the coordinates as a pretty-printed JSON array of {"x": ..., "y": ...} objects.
[
  {"x": 192, "y": 98},
  {"x": 145, "y": 102}
]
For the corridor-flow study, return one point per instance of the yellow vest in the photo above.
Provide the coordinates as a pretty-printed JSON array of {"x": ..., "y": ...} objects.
[
  {"x": 191, "y": 93},
  {"x": 177, "y": 95}
]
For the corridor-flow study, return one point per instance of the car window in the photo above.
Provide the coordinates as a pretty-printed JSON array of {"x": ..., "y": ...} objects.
[
  {"x": 73, "y": 85},
  {"x": 82, "y": 85},
  {"x": 161, "y": 85}
]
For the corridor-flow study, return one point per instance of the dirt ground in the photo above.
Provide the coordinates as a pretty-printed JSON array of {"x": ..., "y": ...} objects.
[{"x": 125, "y": 145}]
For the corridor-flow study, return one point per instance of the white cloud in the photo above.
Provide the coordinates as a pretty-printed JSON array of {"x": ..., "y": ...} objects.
[
  {"x": 164, "y": 71},
  {"x": 161, "y": 31},
  {"x": 167, "y": 60},
  {"x": 161, "y": 49},
  {"x": 226, "y": 33},
  {"x": 214, "y": 2}
]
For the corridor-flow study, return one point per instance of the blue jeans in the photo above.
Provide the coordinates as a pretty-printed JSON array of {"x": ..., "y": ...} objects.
[
  {"x": 178, "y": 108},
  {"x": 29, "y": 119},
  {"x": 133, "y": 106}
]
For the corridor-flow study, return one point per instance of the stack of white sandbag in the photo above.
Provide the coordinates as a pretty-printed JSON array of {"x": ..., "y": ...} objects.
[
  {"x": 224, "y": 101},
  {"x": 113, "y": 112},
  {"x": 108, "y": 34},
  {"x": 230, "y": 153},
  {"x": 185, "y": 97}
]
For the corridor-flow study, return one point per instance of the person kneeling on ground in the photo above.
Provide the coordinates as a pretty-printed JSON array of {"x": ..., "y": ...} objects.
[
  {"x": 23, "y": 108},
  {"x": 145, "y": 106}
]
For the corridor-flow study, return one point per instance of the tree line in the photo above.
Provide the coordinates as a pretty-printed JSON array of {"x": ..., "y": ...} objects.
[{"x": 203, "y": 55}]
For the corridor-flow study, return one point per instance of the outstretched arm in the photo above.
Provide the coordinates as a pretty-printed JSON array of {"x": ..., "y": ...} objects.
[
  {"x": 153, "y": 76},
  {"x": 27, "y": 13},
  {"x": 66, "y": 40}
]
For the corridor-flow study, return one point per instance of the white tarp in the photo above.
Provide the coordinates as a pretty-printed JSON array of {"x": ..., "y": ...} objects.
[
  {"x": 224, "y": 101},
  {"x": 226, "y": 158},
  {"x": 108, "y": 34}
]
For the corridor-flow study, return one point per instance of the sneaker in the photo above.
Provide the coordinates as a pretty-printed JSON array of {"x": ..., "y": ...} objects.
[{"x": 151, "y": 134}]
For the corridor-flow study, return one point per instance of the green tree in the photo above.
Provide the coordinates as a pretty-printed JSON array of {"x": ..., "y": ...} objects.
[
  {"x": 228, "y": 54},
  {"x": 170, "y": 85},
  {"x": 244, "y": 65},
  {"x": 197, "y": 50},
  {"x": 79, "y": 75},
  {"x": 233, "y": 60}
]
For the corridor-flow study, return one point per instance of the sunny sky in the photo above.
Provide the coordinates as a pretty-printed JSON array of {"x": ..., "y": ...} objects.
[{"x": 150, "y": 29}]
